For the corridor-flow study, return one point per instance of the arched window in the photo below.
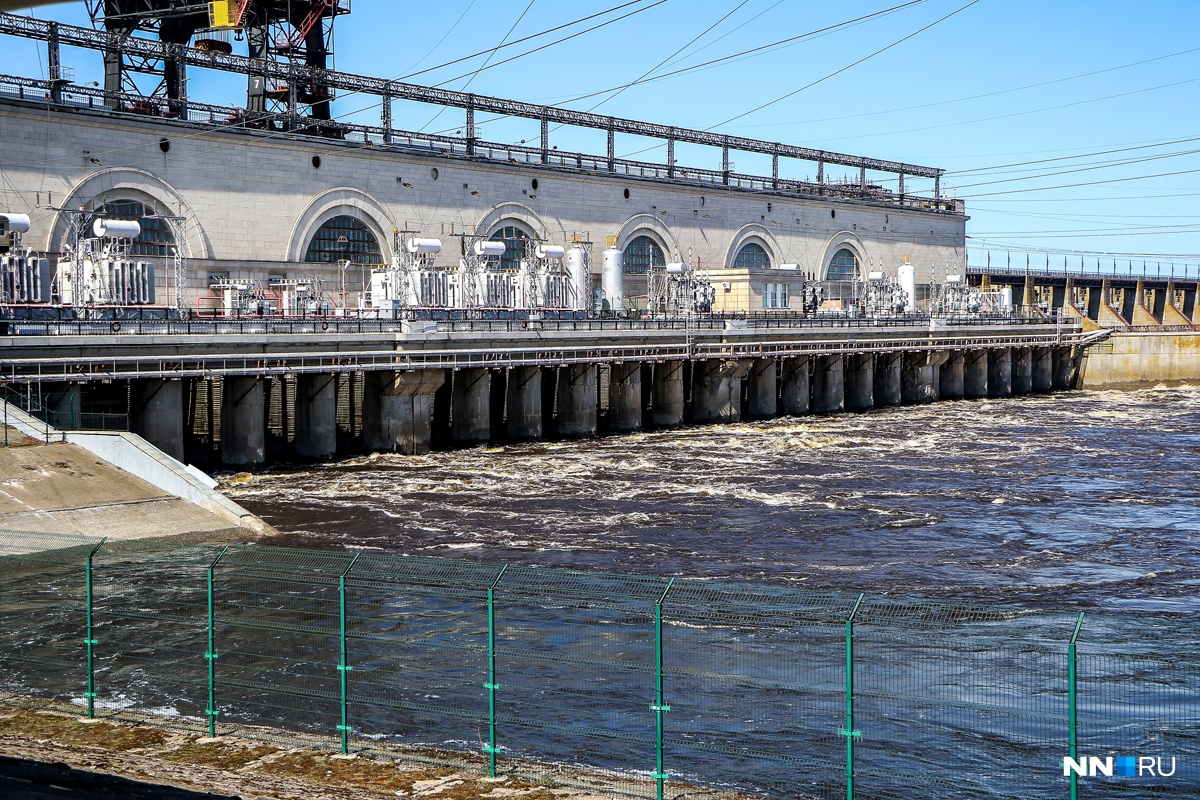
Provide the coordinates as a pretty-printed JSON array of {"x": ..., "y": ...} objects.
[
  {"x": 344, "y": 238},
  {"x": 155, "y": 239},
  {"x": 641, "y": 254},
  {"x": 752, "y": 256},
  {"x": 514, "y": 242},
  {"x": 843, "y": 267}
]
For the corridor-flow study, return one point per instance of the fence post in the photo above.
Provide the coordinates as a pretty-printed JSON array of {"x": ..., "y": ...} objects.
[
  {"x": 659, "y": 708},
  {"x": 1072, "y": 705},
  {"x": 491, "y": 684},
  {"x": 210, "y": 654},
  {"x": 849, "y": 732},
  {"x": 89, "y": 640},
  {"x": 344, "y": 666}
]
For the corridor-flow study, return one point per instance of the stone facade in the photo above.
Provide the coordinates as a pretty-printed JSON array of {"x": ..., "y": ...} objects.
[{"x": 253, "y": 201}]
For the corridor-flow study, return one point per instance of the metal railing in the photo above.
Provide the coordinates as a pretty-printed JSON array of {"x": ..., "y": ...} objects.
[
  {"x": 383, "y": 139},
  {"x": 103, "y": 367},
  {"x": 65, "y": 321},
  {"x": 630, "y": 685}
]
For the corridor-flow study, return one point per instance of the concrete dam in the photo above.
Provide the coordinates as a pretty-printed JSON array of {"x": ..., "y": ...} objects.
[{"x": 246, "y": 393}]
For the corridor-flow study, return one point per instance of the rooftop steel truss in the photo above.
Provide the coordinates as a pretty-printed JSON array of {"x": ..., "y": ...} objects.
[{"x": 56, "y": 34}]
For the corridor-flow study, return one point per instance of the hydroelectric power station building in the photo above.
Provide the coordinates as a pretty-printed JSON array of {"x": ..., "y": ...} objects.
[{"x": 396, "y": 289}]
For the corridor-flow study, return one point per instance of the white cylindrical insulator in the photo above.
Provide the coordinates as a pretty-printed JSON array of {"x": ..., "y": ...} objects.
[
  {"x": 415, "y": 246},
  {"x": 117, "y": 228},
  {"x": 488, "y": 247},
  {"x": 551, "y": 251},
  {"x": 676, "y": 268},
  {"x": 17, "y": 223},
  {"x": 875, "y": 276},
  {"x": 907, "y": 276},
  {"x": 581, "y": 277},
  {"x": 612, "y": 279}
]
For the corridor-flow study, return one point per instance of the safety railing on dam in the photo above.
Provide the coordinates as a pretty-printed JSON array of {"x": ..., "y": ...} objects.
[
  {"x": 100, "y": 366},
  {"x": 64, "y": 321},
  {"x": 630, "y": 685}
]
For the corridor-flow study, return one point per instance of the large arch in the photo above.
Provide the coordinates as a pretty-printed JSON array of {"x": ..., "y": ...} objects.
[
  {"x": 649, "y": 225},
  {"x": 760, "y": 235},
  {"x": 518, "y": 214},
  {"x": 341, "y": 202},
  {"x": 127, "y": 183},
  {"x": 843, "y": 240}
]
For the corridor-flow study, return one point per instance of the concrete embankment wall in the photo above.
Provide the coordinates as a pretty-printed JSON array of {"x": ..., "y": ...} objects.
[
  {"x": 1143, "y": 357},
  {"x": 107, "y": 484}
]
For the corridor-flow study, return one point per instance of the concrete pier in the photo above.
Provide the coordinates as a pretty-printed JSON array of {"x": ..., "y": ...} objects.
[
  {"x": 975, "y": 374},
  {"x": 717, "y": 390},
  {"x": 888, "y": 367},
  {"x": 525, "y": 418},
  {"x": 795, "y": 391},
  {"x": 316, "y": 416},
  {"x": 668, "y": 395},
  {"x": 764, "y": 388},
  {"x": 157, "y": 414},
  {"x": 243, "y": 422},
  {"x": 920, "y": 380},
  {"x": 828, "y": 385},
  {"x": 1000, "y": 373},
  {"x": 1043, "y": 369},
  {"x": 625, "y": 397},
  {"x": 471, "y": 417},
  {"x": 859, "y": 382},
  {"x": 1022, "y": 370},
  {"x": 1063, "y": 369},
  {"x": 397, "y": 410},
  {"x": 952, "y": 377},
  {"x": 577, "y": 401}
]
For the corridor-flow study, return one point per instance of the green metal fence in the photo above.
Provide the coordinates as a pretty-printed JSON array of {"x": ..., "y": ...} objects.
[{"x": 629, "y": 685}]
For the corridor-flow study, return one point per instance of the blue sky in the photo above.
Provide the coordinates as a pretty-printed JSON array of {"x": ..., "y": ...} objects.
[{"x": 993, "y": 84}]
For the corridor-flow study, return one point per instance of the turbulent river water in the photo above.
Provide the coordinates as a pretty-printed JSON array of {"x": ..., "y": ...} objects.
[{"x": 1086, "y": 498}]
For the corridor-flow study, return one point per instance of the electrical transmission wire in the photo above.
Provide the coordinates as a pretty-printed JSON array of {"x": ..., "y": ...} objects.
[
  {"x": 522, "y": 40},
  {"x": 761, "y": 48},
  {"x": 845, "y": 68},
  {"x": 550, "y": 44},
  {"x": 482, "y": 66},
  {"x": 651, "y": 71}
]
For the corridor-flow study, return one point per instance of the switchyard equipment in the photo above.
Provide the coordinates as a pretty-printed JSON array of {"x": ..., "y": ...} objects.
[
  {"x": 99, "y": 270},
  {"x": 287, "y": 33},
  {"x": 956, "y": 298},
  {"x": 612, "y": 280},
  {"x": 24, "y": 277},
  {"x": 882, "y": 296},
  {"x": 548, "y": 277},
  {"x": 677, "y": 290}
]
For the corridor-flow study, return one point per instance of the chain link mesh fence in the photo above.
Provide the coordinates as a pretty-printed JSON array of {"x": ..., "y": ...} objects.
[{"x": 626, "y": 685}]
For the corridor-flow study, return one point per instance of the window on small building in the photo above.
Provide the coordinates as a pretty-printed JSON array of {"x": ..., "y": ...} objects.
[
  {"x": 843, "y": 267},
  {"x": 775, "y": 295},
  {"x": 641, "y": 254},
  {"x": 344, "y": 238},
  {"x": 514, "y": 242},
  {"x": 156, "y": 238},
  {"x": 752, "y": 256}
]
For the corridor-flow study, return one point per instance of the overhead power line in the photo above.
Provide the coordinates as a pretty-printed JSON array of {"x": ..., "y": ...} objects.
[{"x": 845, "y": 68}]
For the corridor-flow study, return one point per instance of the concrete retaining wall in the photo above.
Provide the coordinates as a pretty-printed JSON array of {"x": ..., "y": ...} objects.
[{"x": 1137, "y": 357}]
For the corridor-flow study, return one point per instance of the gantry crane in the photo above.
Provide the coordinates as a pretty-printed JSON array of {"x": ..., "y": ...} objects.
[{"x": 289, "y": 31}]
